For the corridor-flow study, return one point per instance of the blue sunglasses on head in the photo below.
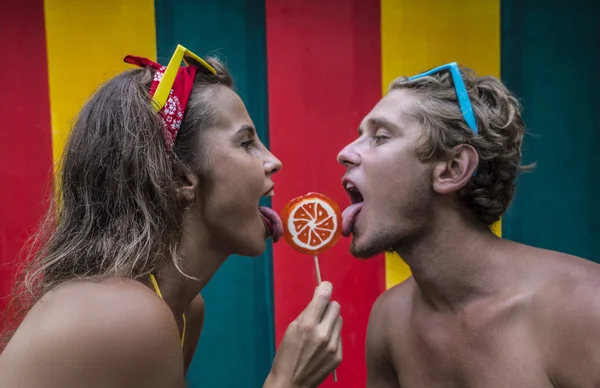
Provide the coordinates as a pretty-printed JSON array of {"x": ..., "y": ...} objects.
[{"x": 461, "y": 92}]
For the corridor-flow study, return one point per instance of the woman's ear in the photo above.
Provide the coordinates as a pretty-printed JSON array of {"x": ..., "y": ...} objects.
[{"x": 188, "y": 186}]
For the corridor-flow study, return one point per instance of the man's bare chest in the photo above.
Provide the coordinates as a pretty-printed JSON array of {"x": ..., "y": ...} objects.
[
  {"x": 498, "y": 354},
  {"x": 471, "y": 369}
]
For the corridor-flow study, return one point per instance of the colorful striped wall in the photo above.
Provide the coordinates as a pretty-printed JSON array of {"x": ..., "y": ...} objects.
[
  {"x": 411, "y": 41},
  {"x": 550, "y": 58},
  {"x": 308, "y": 72},
  {"x": 324, "y": 75},
  {"x": 25, "y": 144}
]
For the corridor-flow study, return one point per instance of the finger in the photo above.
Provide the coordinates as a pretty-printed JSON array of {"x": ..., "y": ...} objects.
[
  {"x": 315, "y": 309},
  {"x": 334, "y": 340},
  {"x": 328, "y": 322},
  {"x": 336, "y": 333},
  {"x": 339, "y": 354}
]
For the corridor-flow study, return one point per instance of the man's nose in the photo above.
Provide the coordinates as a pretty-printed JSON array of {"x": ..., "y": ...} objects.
[{"x": 349, "y": 156}]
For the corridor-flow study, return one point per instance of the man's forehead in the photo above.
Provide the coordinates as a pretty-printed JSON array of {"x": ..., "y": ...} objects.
[{"x": 394, "y": 107}]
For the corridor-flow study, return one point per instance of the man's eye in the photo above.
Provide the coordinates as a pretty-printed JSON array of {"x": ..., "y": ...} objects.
[{"x": 379, "y": 139}]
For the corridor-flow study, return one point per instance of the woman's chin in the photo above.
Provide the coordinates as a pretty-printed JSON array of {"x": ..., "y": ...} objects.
[
  {"x": 254, "y": 248},
  {"x": 251, "y": 240}
]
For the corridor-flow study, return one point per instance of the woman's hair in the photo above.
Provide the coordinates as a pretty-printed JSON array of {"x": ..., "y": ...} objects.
[
  {"x": 501, "y": 130},
  {"x": 116, "y": 211}
]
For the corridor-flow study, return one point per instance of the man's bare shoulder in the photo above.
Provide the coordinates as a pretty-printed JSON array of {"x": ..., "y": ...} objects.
[
  {"x": 394, "y": 301},
  {"x": 567, "y": 316},
  {"x": 389, "y": 315},
  {"x": 565, "y": 281},
  {"x": 573, "y": 288},
  {"x": 109, "y": 333},
  {"x": 559, "y": 283}
]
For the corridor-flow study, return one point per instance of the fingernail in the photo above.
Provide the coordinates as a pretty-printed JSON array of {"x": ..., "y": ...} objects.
[{"x": 325, "y": 288}]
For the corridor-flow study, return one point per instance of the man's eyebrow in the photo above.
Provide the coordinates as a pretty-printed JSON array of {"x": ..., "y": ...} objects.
[
  {"x": 376, "y": 122},
  {"x": 382, "y": 122}
]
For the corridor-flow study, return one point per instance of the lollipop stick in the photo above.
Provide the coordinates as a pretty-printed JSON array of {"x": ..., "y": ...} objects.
[{"x": 319, "y": 282}]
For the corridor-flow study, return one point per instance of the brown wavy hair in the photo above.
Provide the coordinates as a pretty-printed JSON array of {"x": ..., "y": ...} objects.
[
  {"x": 501, "y": 130},
  {"x": 116, "y": 212}
]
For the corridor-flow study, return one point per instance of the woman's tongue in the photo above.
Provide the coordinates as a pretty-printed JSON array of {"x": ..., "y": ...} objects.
[
  {"x": 349, "y": 218},
  {"x": 273, "y": 222}
]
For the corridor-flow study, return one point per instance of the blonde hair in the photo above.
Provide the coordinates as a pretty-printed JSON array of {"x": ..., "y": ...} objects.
[
  {"x": 118, "y": 213},
  {"x": 501, "y": 129}
]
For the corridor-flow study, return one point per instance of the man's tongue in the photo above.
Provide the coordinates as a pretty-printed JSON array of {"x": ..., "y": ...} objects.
[
  {"x": 349, "y": 217},
  {"x": 273, "y": 222}
]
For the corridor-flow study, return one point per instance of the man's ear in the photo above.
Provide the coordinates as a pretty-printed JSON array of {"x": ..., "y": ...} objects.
[
  {"x": 453, "y": 174},
  {"x": 188, "y": 185}
]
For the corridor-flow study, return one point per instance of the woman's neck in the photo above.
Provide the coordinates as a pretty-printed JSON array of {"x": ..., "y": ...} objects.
[{"x": 199, "y": 260}]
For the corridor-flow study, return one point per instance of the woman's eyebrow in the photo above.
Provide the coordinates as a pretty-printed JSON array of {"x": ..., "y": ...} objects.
[{"x": 246, "y": 128}]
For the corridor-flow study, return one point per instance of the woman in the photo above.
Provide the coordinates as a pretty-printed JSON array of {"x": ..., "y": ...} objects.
[{"x": 160, "y": 183}]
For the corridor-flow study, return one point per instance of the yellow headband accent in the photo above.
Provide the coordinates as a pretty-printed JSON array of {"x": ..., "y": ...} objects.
[{"x": 159, "y": 99}]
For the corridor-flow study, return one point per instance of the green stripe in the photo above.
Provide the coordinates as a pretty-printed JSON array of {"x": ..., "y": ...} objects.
[
  {"x": 550, "y": 60},
  {"x": 237, "y": 344}
]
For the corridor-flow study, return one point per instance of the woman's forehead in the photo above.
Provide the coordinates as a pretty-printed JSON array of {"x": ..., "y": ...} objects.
[{"x": 229, "y": 109}]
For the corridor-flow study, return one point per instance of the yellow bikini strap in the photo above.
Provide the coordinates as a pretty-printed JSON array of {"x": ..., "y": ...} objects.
[
  {"x": 157, "y": 290},
  {"x": 155, "y": 285}
]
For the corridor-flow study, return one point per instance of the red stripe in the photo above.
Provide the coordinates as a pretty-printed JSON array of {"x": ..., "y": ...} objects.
[
  {"x": 26, "y": 145},
  {"x": 324, "y": 61}
]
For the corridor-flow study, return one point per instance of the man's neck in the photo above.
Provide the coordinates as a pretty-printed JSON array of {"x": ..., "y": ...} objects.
[{"x": 455, "y": 264}]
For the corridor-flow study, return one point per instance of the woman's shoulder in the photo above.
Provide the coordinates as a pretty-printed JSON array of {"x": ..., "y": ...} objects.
[
  {"x": 97, "y": 327},
  {"x": 111, "y": 293},
  {"x": 115, "y": 307},
  {"x": 115, "y": 302}
]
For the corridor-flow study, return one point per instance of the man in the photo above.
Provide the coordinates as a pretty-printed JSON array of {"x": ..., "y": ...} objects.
[{"x": 433, "y": 167}]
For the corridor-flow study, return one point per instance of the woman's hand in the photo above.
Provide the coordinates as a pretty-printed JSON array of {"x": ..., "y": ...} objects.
[{"x": 311, "y": 347}]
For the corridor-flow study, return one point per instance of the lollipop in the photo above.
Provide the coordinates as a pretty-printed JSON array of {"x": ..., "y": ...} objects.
[{"x": 312, "y": 224}]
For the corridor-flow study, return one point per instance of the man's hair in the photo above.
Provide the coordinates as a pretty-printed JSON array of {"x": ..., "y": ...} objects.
[
  {"x": 116, "y": 211},
  {"x": 501, "y": 129}
]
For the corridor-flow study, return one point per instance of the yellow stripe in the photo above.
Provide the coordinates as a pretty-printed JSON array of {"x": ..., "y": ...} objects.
[
  {"x": 86, "y": 43},
  {"x": 419, "y": 35}
]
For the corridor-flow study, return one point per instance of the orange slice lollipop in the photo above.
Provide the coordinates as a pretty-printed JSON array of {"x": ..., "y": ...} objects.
[{"x": 312, "y": 223}]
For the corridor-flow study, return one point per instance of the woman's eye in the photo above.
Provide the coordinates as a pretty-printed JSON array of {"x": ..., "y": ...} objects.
[{"x": 247, "y": 144}]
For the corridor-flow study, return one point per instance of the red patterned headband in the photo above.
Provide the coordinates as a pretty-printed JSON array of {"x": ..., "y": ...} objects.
[{"x": 170, "y": 89}]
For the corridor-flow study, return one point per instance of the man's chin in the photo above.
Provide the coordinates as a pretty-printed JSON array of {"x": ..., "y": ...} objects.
[
  {"x": 366, "y": 246},
  {"x": 364, "y": 251}
]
